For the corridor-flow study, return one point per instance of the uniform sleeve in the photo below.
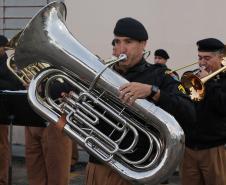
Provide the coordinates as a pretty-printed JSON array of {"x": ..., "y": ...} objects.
[
  {"x": 176, "y": 102},
  {"x": 215, "y": 94},
  {"x": 58, "y": 87},
  {"x": 8, "y": 81}
]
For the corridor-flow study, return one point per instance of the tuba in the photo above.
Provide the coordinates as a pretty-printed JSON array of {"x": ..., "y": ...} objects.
[{"x": 105, "y": 127}]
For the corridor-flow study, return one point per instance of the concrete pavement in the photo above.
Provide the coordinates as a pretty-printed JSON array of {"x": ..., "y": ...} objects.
[{"x": 19, "y": 174}]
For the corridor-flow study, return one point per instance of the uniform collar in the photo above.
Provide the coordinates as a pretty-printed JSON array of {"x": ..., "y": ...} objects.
[
  {"x": 140, "y": 67},
  {"x": 160, "y": 65}
]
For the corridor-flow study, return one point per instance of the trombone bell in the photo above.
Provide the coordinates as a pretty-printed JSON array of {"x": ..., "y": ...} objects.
[{"x": 194, "y": 86}]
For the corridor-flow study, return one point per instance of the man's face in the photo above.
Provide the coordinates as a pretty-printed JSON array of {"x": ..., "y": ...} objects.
[
  {"x": 211, "y": 61},
  {"x": 159, "y": 60},
  {"x": 132, "y": 48}
]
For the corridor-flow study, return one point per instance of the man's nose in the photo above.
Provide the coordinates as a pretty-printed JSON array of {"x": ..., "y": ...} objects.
[
  {"x": 122, "y": 48},
  {"x": 201, "y": 62}
]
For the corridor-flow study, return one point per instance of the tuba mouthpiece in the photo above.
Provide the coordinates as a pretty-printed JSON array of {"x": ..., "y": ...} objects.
[{"x": 122, "y": 57}]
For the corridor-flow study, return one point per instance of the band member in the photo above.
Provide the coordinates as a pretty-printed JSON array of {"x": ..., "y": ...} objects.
[
  {"x": 48, "y": 151},
  {"x": 4, "y": 143},
  {"x": 160, "y": 58},
  {"x": 7, "y": 82},
  {"x": 74, "y": 156},
  {"x": 204, "y": 160},
  {"x": 147, "y": 81}
]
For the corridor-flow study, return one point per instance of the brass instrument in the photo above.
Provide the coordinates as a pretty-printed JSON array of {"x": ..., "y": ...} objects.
[
  {"x": 183, "y": 67},
  {"x": 146, "y": 54},
  {"x": 26, "y": 74},
  {"x": 194, "y": 86},
  {"x": 11, "y": 45},
  {"x": 94, "y": 103}
]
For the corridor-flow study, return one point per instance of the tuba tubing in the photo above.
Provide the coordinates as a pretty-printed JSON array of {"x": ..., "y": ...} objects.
[
  {"x": 47, "y": 39},
  {"x": 166, "y": 124}
]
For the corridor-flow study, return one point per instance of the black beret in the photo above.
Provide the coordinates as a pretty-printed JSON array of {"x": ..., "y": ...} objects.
[
  {"x": 210, "y": 45},
  {"x": 132, "y": 28},
  {"x": 161, "y": 53},
  {"x": 3, "y": 40}
]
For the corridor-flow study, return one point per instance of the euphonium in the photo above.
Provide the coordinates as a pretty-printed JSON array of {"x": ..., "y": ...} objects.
[
  {"x": 95, "y": 116},
  {"x": 27, "y": 73}
]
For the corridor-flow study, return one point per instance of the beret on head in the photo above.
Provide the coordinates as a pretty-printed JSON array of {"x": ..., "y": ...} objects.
[
  {"x": 132, "y": 28},
  {"x": 161, "y": 53},
  {"x": 3, "y": 40},
  {"x": 210, "y": 45}
]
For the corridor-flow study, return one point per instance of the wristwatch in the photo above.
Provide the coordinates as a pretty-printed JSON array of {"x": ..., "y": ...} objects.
[{"x": 154, "y": 90}]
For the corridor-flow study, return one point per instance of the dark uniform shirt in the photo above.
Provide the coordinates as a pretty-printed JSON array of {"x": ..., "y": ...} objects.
[
  {"x": 14, "y": 105},
  {"x": 210, "y": 129},
  {"x": 171, "y": 99},
  {"x": 8, "y": 81},
  {"x": 173, "y": 74}
]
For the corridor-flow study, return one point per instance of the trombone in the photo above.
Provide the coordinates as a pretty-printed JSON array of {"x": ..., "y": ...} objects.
[
  {"x": 195, "y": 86},
  {"x": 172, "y": 71}
]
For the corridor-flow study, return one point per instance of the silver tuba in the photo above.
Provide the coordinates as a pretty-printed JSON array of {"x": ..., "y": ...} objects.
[{"x": 113, "y": 132}]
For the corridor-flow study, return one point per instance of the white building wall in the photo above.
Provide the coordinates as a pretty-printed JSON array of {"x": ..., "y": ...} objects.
[
  {"x": 174, "y": 25},
  {"x": 14, "y": 14}
]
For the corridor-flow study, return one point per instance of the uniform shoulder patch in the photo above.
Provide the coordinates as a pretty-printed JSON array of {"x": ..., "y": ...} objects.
[{"x": 181, "y": 88}]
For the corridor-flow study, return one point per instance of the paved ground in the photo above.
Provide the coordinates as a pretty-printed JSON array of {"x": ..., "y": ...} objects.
[{"x": 19, "y": 174}]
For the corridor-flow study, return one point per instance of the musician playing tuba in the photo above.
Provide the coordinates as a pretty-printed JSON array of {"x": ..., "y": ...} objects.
[
  {"x": 146, "y": 81},
  {"x": 205, "y": 155},
  {"x": 114, "y": 120}
]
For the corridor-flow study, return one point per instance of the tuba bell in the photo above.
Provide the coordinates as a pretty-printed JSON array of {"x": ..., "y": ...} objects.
[{"x": 93, "y": 104}]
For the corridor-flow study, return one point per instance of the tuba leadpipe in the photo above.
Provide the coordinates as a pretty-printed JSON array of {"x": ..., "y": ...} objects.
[{"x": 94, "y": 103}]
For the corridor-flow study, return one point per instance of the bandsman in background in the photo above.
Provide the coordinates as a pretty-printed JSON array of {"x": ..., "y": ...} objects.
[
  {"x": 160, "y": 59},
  {"x": 204, "y": 160},
  {"x": 48, "y": 151},
  {"x": 7, "y": 82}
]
